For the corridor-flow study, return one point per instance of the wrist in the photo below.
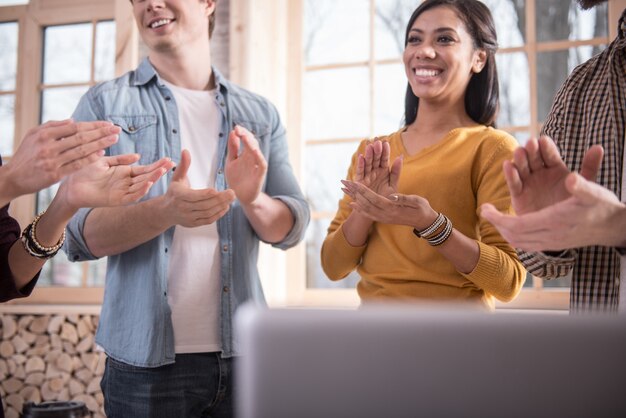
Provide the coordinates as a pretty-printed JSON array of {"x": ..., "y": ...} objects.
[
  {"x": 9, "y": 188},
  {"x": 423, "y": 222}
]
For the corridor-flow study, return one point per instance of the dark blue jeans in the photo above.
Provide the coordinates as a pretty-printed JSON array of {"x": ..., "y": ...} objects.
[{"x": 196, "y": 385}]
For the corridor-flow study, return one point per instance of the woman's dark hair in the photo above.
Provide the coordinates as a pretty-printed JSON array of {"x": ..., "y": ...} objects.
[{"x": 482, "y": 93}]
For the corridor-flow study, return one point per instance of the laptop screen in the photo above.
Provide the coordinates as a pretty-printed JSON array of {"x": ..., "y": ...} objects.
[{"x": 407, "y": 362}]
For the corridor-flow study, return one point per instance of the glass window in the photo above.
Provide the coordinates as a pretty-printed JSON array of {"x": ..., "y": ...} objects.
[
  {"x": 67, "y": 54},
  {"x": 70, "y": 66},
  {"x": 105, "y": 51},
  {"x": 329, "y": 165},
  {"x": 336, "y": 103},
  {"x": 354, "y": 84},
  {"x": 336, "y": 31},
  {"x": 514, "y": 80},
  {"x": 510, "y": 20},
  {"x": 8, "y": 72},
  {"x": 12, "y": 2},
  {"x": 558, "y": 20},
  {"x": 7, "y": 121},
  {"x": 389, "y": 90},
  {"x": 553, "y": 67}
]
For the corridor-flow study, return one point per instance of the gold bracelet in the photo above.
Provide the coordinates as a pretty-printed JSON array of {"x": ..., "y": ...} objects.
[{"x": 34, "y": 247}]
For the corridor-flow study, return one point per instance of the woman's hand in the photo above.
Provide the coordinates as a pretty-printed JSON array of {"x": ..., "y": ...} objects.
[
  {"x": 112, "y": 181},
  {"x": 398, "y": 209},
  {"x": 373, "y": 170}
]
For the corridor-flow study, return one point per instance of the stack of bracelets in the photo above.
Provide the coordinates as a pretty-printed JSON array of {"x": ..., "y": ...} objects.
[
  {"x": 33, "y": 247},
  {"x": 438, "y": 232}
]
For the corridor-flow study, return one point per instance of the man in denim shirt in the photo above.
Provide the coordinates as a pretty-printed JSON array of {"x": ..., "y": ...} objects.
[{"x": 184, "y": 258}]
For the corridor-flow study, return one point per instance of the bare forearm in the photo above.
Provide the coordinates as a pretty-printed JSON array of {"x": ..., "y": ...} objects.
[
  {"x": 271, "y": 218},
  {"x": 462, "y": 251},
  {"x": 356, "y": 229},
  {"x": 7, "y": 191},
  {"x": 48, "y": 232},
  {"x": 114, "y": 230}
]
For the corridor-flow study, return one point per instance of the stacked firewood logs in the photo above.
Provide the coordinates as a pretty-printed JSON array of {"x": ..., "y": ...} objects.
[{"x": 50, "y": 358}]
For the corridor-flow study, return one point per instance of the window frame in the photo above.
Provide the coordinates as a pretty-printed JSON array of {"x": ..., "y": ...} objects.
[
  {"x": 535, "y": 297},
  {"x": 32, "y": 20}
]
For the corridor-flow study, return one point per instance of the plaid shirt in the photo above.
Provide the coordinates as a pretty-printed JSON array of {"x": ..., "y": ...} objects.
[{"x": 590, "y": 109}]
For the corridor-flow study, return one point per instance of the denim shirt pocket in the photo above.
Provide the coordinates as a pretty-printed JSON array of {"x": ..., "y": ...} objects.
[
  {"x": 139, "y": 135},
  {"x": 261, "y": 132}
]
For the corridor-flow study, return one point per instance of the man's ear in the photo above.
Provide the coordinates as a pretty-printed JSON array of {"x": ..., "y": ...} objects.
[{"x": 210, "y": 7}]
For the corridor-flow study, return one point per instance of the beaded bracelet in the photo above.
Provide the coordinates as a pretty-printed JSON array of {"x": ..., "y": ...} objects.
[
  {"x": 435, "y": 234},
  {"x": 33, "y": 247},
  {"x": 425, "y": 233}
]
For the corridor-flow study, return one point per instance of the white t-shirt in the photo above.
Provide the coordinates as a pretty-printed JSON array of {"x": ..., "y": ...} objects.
[{"x": 194, "y": 280}]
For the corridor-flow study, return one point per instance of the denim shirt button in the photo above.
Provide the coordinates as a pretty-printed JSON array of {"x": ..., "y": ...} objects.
[
  {"x": 220, "y": 171},
  {"x": 225, "y": 248},
  {"x": 131, "y": 129},
  {"x": 168, "y": 98},
  {"x": 225, "y": 289},
  {"x": 174, "y": 131}
]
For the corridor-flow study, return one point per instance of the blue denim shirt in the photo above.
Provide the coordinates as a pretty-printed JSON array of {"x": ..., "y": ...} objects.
[{"x": 135, "y": 323}]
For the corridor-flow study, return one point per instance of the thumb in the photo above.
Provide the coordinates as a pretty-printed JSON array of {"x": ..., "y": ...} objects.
[
  {"x": 394, "y": 175},
  {"x": 182, "y": 168},
  {"x": 586, "y": 191},
  {"x": 592, "y": 160},
  {"x": 233, "y": 146},
  {"x": 122, "y": 159}
]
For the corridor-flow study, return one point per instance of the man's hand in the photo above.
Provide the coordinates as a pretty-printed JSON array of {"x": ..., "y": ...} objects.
[
  {"x": 245, "y": 169},
  {"x": 592, "y": 215},
  {"x": 536, "y": 177},
  {"x": 191, "y": 208},
  {"x": 54, "y": 150},
  {"x": 112, "y": 181}
]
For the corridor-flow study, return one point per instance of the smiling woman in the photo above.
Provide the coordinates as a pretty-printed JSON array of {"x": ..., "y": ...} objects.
[{"x": 408, "y": 221}]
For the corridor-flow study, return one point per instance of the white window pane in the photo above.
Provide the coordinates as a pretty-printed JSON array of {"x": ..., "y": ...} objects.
[
  {"x": 513, "y": 74},
  {"x": 325, "y": 166},
  {"x": 67, "y": 54},
  {"x": 7, "y": 122},
  {"x": 105, "y": 51},
  {"x": 58, "y": 270},
  {"x": 522, "y": 137},
  {"x": 562, "y": 19},
  {"x": 390, "y": 87},
  {"x": 392, "y": 16},
  {"x": 336, "y": 103},
  {"x": 315, "y": 235},
  {"x": 8, "y": 55},
  {"x": 553, "y": 68},
  {"x": 336, "y": 31},
  {"x": 59, "y": 104},
  {"x": 510, "y": 20}
]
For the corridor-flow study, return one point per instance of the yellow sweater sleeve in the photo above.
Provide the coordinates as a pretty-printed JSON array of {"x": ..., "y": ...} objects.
[{"x": 499, "y": 271}]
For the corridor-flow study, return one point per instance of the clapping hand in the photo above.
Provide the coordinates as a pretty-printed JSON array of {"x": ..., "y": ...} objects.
[{"x": 112, "y": 181}]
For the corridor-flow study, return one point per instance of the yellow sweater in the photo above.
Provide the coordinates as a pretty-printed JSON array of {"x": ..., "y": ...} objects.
[{"x": 456, "y": 175}]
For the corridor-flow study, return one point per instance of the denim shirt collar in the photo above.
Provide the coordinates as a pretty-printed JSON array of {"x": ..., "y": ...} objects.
[{"x": 146, "y": 73}]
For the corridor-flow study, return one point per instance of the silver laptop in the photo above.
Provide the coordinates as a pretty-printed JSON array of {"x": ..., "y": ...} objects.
[{"x": 403, "y": 362}]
